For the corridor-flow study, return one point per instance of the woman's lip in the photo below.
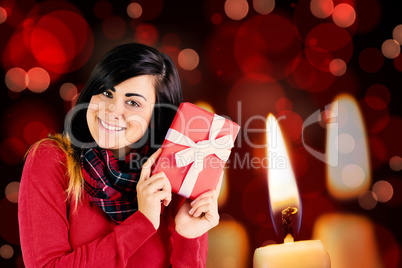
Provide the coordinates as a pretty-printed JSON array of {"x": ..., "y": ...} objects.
[{"x": 110, "y": 127}]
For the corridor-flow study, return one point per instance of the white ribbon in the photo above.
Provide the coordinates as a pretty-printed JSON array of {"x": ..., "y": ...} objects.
[{"x": 198, "y": 151}]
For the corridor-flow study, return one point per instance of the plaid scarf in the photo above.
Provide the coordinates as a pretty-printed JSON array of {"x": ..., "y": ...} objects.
[{"x": 109, "y": 188}]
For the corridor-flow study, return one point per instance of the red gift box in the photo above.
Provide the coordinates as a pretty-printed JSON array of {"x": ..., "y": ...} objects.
[{"x": 195, "y": 150}]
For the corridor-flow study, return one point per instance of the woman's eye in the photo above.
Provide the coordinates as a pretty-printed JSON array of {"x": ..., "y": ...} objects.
[
  {"x": 133, "y": 103},
  {"x": 107, "y": 94}
]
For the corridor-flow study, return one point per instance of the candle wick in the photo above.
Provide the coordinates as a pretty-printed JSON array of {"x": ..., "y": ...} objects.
[{"x": 287, "y": 223}]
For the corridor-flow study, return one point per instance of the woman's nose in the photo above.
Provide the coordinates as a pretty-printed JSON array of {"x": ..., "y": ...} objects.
[{"x": 116, "y": 108}]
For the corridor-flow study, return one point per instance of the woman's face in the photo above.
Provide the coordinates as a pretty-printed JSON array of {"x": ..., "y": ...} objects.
[{"x": 120, "y": 116}]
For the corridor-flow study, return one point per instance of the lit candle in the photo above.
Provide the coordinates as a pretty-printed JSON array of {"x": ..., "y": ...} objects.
[
  {"x": 349, "y": 238},
  {"x": 284, "y": 199}
]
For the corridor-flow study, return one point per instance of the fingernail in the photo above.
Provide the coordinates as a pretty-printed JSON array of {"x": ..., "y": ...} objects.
[{"x": 191, "y": 211}]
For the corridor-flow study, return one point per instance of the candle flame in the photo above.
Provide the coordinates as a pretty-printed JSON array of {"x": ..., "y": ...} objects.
[
  {"x": 347, "y": 144},
  {"x": 282, "y": 185}
]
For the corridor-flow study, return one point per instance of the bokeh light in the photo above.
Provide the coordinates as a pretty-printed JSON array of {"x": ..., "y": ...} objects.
[
  {"x": 147, "y": 34},
  {"x": 228, "y": 244},
  {"x": 383, "y": 190},
  {"x": 236, "y": 9},
  {"x": 367, "y": 200},
  {"x": 134, "y": 10},
  {"x": 390, "y": 48},
  {"x": 11, "y": 191},
  {"x": 348, "y": 173},
  {"x": 322, "y": 8},
  {"x": 114, "y": 27},
  {"x": 263, "y": 51},
  {"x": 337, "y": 67},
  {"x": 397, "y": 34},
  {"x": 371, "y": 59},
  {"x": 35, "y": 131},
  {"x": 6, "y": 251},
  {"x": 377, "y": 97},
  {"x": 264, "y": 6},
  {"x": 62, "y": 41},
  {"x": 395, "y": 163},
  {"x": 188, "y": 59},
  {"x": 344, "y": 15},
  {"x": 216, "y": 18},
  {"x": 68, "y": 91},
  {"x": 283, "y": 104},
  {"x": 350, "y": 240},
  {"x": 352, "y": 176},
  {"x": 3, "y": 15},
  {"x": 16, "y": 79},
  {"x": 38, "y": 79},
  {"x": 345, "y": 143}
]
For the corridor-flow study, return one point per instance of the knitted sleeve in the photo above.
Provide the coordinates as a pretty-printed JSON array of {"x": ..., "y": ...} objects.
[{"x": 44, "y": 224}]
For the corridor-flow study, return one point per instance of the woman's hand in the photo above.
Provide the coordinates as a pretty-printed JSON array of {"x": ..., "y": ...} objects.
[
  {"x": 199, "y": 216},
  {"x": 152, "y": 191}
]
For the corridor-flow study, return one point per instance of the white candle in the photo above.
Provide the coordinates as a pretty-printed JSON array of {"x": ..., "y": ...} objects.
[{"x": 284, "y": 198}]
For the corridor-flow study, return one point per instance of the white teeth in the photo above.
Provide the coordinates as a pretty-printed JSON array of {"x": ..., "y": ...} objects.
[{"x": 110, "y": 127}]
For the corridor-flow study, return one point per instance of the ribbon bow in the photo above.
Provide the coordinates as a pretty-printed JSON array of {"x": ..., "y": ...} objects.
[{"x": 198, "y": 151}]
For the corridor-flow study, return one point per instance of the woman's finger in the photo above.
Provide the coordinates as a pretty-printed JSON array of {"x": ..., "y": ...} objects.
[
  {"x": 208, "y": 194},
  {"x": 146, "y": 167}
]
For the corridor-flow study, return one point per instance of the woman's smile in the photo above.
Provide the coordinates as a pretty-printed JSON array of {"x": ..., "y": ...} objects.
[{"x": 110, "y": 127}]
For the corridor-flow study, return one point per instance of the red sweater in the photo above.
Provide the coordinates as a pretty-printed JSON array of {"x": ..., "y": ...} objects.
[{"x": 54, "y": 235}]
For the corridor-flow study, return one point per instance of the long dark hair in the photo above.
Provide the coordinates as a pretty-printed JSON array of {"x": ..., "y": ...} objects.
[{"x": 121, "y": 63}]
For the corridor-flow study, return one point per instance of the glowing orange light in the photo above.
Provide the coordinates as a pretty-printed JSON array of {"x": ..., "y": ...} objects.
[
  {"x": 383, "y": 190},
  {"x": 321, "y": 8},
  {"x": 16, "y": 79},
  {"x": 188, "y": 59},
  {"x": 344, "y": 15},
  {"x": 229, "y": 244},
  {"x": 343, "y": 235},
  {"x": 12, "y": 190},
  {"x": 6, "y": 251},
  {"x": 134, "y": 10},
  {"x": 395, "y": 163},
  {"x": 3, "y": 15},
  {"x": 397, "y": 34},
  {"x": 282, "y": 185},
  {"x": 68, "y": 91},
  {"x": 337, "y": 67},
  {"x": 390, "y": 48},
  {"x": 348, "y": 168},
  {"x": 205, "y": 105},
  {"x": 236, "y": 9},
  {"x": 38, "y": 79},
  {"x": 264, "y": 6}
]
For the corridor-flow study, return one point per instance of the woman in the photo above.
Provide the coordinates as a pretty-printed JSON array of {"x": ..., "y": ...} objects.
[{"x": 86, "y": 201}]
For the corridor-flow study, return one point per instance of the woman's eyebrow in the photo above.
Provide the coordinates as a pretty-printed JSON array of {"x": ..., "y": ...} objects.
[
  {"x": 130, "y": 94},
  {"x": 135, "y": 94}
]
